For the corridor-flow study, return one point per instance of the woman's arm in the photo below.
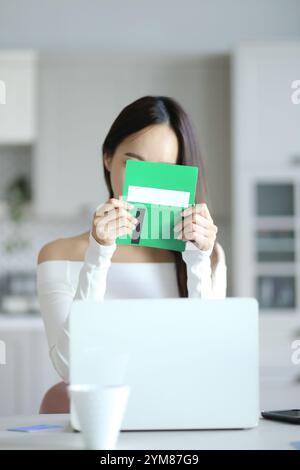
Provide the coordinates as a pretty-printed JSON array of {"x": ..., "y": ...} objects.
[
  {"x": 219, "y": 274},
  {"x": 197, "y": 228},
  {"x": 56, "y": 295},
  {"x": 92, "y": 277},
  {"x": 201, "y": 280}
]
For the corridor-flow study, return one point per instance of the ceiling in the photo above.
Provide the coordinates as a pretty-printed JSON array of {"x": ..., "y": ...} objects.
[{"x": 185, "y": 27}]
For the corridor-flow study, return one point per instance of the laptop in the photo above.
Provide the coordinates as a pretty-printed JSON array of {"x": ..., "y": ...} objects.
[{"x": 191, "y": 363}]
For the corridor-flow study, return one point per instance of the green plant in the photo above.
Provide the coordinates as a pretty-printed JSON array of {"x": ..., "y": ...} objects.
[{"x": 17, "y": 194}]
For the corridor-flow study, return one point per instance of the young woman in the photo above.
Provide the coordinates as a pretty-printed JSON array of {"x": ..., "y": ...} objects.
[{"x": 92, "y": 266}]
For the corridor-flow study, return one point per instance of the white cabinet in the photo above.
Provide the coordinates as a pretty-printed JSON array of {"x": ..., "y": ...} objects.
[
  {"x": 18, "y": 87},
  {"x": 266, "y": 238},
  {"x": 279, "y": 373},
  {"x": 28, "y": 371},
  {"x": 266, "y": 130},
  {"x": 266, "y": 177},
  {"x": 266, "y": 198}
]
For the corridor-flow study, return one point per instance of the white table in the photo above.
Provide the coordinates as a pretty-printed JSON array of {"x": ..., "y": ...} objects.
[{"x": 268, "y": 435}]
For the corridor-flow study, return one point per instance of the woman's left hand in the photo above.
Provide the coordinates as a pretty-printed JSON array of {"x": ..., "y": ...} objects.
[{"x": 197, "y": 227}]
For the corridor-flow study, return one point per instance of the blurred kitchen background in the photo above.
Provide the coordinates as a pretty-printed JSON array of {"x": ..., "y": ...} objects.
[{"x": 69, "y": 67}]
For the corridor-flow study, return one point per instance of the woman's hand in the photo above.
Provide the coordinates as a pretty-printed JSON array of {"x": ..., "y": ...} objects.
[
  {"x": 112, "y": 220},
  {"x": 197, "y": 227}
]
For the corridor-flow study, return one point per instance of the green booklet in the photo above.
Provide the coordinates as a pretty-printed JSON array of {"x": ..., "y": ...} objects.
[{"x": 159, "y": 192}]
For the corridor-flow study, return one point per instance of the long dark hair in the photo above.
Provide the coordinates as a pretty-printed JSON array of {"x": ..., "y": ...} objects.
[{"x": 147, "y": 111}]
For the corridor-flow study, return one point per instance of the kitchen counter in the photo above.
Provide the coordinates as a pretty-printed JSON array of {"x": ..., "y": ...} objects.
[{"x": 30, "y": 321}]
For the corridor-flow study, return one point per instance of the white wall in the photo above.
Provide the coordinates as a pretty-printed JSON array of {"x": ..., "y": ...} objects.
[{"x": 79, "y": 99}]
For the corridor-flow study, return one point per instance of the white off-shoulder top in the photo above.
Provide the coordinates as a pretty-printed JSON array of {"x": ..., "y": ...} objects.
[{"x": 59, "y": 283}]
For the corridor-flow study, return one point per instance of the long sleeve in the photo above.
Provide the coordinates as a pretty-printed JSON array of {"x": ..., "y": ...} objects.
[
  {"x": 56, "y": 295},
  {"x": 202, "y": 282},
  {"x": 92, "y": 277}
]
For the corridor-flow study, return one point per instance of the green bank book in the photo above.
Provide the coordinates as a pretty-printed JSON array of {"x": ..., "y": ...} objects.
[{"x": 159, "y": 192}]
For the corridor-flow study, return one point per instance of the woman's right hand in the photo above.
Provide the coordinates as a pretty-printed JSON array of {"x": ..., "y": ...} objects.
[{"x": 112, "y": 220}]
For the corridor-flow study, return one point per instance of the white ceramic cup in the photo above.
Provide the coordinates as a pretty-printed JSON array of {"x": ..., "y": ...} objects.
[{"x": 100, "y": 410}]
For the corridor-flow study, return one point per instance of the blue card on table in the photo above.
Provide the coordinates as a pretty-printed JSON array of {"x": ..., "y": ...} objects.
[{"x": 36, "y": 427}]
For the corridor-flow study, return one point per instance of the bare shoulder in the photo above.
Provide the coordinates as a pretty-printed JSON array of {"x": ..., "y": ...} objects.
[{"x": 69, "y": 248}]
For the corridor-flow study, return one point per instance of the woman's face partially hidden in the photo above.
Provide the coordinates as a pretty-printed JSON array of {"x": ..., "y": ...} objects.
[{"x": 157, "y": 143}]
